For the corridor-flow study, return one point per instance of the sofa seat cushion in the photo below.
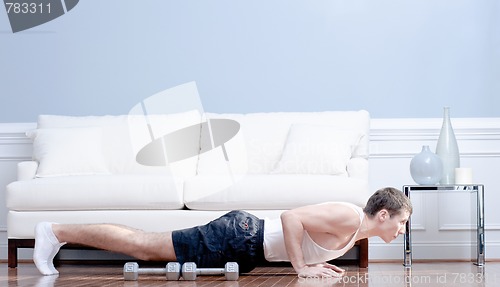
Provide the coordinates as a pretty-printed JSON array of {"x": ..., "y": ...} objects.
[
  {"x": 276, "y": 191},
  {"x": 96, "y": 192}
]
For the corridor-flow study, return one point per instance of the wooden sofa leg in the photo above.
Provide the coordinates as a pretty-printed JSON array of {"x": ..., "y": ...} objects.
[
  {"x": 12, "y": 254},
  {"x": 14, "y": 245},
  {"x": 363, "y": 253}
]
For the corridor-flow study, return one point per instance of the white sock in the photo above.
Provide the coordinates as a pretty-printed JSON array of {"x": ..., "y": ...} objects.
[{"x": 46, "y": 248}]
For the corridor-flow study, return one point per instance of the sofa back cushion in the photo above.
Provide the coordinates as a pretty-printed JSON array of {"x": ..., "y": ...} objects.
[
  {"x": 68, "y": 151},
  {"x": 120, "y": 139},
  {"x": 261, "y": 144}
]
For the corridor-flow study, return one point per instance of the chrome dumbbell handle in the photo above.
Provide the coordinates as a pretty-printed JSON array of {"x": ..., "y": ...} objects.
[
  {"x": 131, "y": 271},
  {"x": 230, "y": 271}
]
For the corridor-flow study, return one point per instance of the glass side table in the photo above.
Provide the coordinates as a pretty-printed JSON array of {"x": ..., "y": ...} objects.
[{"x": 479, "y": 218}]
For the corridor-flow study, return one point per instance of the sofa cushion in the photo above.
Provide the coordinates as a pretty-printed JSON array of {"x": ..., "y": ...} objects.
[
  {"x": 125, "y": 135},
  {"x": 95, "y": 192},
  {"x": 276, "y": 191},
  {"x": 116, "y": 144},
  {"x": 258, "y": 146},
  {"x": 68, "y": 151},
  {"x": 317, "y": 149}
]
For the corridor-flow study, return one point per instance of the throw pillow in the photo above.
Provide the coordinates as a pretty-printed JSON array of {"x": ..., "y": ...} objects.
[
  {"x": 68, "y": 151},
  {"x": 317, "y": 149}
]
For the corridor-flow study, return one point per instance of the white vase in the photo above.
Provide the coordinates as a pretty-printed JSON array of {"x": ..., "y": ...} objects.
[
  {"x": 426, "y": 167},
  {"x": 447, "y": 150}
]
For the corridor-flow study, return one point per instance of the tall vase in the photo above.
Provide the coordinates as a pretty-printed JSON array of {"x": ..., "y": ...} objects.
[
  {"x": 426, "y": 167},
  {"x": 447, "y": 149}
]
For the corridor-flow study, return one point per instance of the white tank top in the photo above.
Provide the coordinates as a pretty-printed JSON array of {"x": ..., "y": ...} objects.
[{"x": 274, "y": 243}]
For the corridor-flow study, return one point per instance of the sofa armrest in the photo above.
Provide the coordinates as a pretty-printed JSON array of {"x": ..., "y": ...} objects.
[
  {"x": 26, "y": 170},
  {"x": 358, "y": 167}
]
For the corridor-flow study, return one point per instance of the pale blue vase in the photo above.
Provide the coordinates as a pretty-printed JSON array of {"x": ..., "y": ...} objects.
[
  {"x": 426, "y": 167},
  {"x": 447, "y": 149}
]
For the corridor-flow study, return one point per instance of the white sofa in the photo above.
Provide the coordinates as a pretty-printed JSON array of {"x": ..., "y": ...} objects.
[{"x": 86, "y": 170}]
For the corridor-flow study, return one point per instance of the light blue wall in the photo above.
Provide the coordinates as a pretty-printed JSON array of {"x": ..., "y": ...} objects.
[{"x": 395, "y": 58}]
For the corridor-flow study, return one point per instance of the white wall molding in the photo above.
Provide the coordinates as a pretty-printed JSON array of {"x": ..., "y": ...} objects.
[
  {"x": 393, "y": 142},
  {"x": 390, "y": 138},
  {"x": 14, "y": 145}
]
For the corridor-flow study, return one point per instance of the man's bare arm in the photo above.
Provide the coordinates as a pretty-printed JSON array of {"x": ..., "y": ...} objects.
[
  {"x": 293, "y": 232},
  {"x": 322, "y": 218}
]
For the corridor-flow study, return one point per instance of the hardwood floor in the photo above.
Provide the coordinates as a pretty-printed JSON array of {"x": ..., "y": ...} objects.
[{"x": 376, "y": 275}]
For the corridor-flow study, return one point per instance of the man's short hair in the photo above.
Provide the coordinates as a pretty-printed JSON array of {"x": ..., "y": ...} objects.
[{"x": 389, "y": 198}]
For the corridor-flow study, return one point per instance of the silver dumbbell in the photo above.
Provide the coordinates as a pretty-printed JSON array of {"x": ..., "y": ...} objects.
[
  {"x": 131, "y": 271},
  {"x": 230, "y": 270}
]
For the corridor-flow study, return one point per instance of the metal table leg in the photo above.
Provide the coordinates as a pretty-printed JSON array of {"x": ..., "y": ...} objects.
[
  {"x": 407, "y": 236},
  {"x": 480, "y": 226}
]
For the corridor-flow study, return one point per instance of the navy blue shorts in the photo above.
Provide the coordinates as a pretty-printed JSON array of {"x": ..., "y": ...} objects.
[{"x": 237, "y": 236}]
